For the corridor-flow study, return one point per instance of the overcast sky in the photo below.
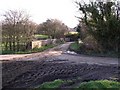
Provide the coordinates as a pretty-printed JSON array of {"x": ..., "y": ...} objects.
[{"x": 40, "y": 10}]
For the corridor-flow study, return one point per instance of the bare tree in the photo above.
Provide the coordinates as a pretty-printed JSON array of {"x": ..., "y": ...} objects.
[{"x": 17, "y": 29}]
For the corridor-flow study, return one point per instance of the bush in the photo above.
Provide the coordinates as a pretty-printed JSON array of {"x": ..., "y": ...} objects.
[{"x": 91, "y": 44}]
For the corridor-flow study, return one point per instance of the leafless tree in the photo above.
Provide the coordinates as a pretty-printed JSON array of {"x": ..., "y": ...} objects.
[
  {"x": 53, "y": 28},
  {"x": 17, "y": 29}
]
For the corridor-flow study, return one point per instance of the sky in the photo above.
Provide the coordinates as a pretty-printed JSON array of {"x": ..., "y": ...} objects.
[{"x": 41, "y": 10}]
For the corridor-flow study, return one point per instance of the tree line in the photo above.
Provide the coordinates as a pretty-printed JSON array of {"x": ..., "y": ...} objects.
[{"x": 18, "y": 30}]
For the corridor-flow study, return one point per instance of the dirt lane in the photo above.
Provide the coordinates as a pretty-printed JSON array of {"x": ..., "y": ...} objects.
[
  {"x": 59, "y": 53},
  {"x": 89, "y": 59}
]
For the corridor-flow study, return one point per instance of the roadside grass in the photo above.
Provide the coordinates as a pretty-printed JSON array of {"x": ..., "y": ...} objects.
[
  {"x": 99, "y": 85},
  {"x": 91, "y": 85},
  {"x": 34, "y": 50},
  {"x": 53, "y": 84},
  {"x": 80, "y": 49},
  {"x": 74, "y": 46}
]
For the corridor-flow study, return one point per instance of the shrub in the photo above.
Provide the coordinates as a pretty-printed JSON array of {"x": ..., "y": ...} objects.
[{"x": 91, "y": 44}]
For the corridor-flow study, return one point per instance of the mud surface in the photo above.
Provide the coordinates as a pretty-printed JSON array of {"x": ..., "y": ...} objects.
[{"x": 29, "y": 74}]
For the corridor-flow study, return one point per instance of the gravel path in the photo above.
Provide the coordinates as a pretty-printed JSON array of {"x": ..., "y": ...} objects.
[
  {"x": 59, "y": 53},
  {"x": 31, "y": 70}
]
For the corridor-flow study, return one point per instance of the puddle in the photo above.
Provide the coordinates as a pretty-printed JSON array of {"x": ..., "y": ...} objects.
[{"x": 70, "y": 52}]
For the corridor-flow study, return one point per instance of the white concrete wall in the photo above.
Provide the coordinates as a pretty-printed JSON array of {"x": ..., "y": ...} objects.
[
  {"x": 39, "y": 43},
  {"x": 36, "y": 44}
]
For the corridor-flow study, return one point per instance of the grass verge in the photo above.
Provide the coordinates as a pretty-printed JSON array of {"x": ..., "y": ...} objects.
[
  {"x": 80, "y": 49},
  {"x": 74, "y": 47},
  {"x": 51, "y": 85},
  {"x": 35, "y": 50},
  {"x": 91, "y": 85},
  {"x": 99, "y": 85}
]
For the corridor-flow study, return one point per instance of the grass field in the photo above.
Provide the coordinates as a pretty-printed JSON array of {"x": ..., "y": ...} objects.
[{"x": 39, "y": 36}]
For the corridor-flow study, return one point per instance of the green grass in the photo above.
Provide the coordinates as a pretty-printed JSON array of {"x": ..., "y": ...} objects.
[
  {"x": 7, "y": 52},
  {"x": 53, "y": 84},
  {"x": 50, "y": 85},
  {"x": 39, "y": 36},
  {"x": 35, "y": 50},
  {"x": 74, "y": 46},
  {"x": 91, "y": 85},
  {"x": 99, "y": 85},
  {"x": 42, "y": 48}
]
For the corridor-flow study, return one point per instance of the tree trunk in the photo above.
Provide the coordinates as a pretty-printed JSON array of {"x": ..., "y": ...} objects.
[
  {"x": 10, "y": 44},
  {"x": 6, "y": 45},
  {"x": 18, "y": 45},
  {"x": 14, "y": 43}
]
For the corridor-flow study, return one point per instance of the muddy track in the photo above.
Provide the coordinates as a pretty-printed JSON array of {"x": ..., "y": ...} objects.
[{"x": 29, "y": 74}]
